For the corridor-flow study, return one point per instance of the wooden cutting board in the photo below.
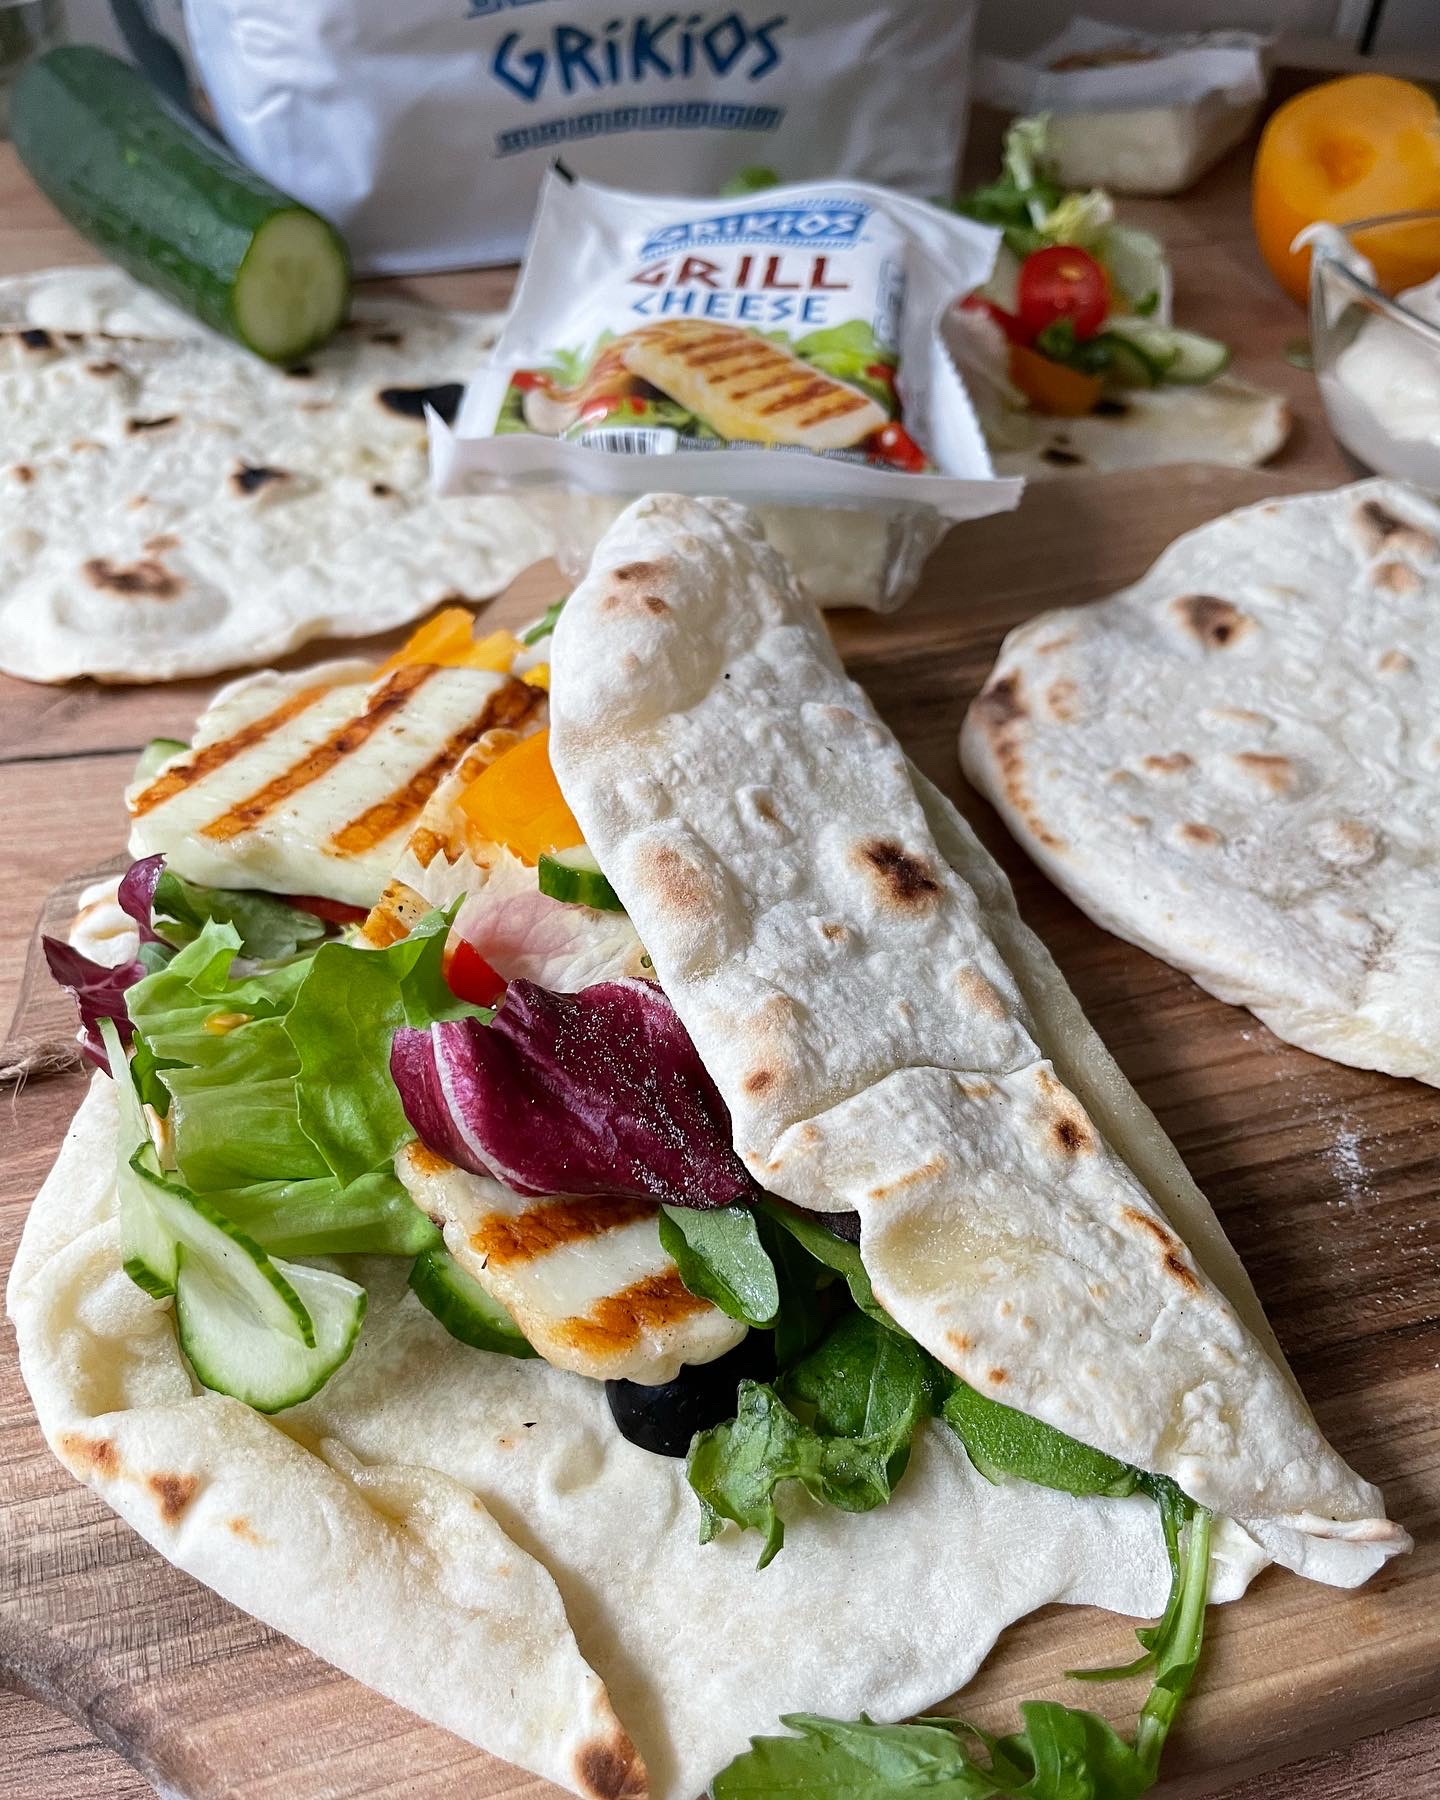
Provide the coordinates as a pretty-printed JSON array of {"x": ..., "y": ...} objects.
[{"x": 1325, "y": 1178}]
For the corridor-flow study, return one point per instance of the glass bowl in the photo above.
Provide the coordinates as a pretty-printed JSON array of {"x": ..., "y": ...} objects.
[{"x": 1375, "y": 340}]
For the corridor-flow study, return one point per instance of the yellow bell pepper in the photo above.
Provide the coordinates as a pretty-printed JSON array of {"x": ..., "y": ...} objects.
[
  {"x": 517, "y": 802},
  {"x": 447, "y": 640},
  {"x": 539, "y": 676},
  {"x": 1357, "y": 148},
  {"x": 1050, "y": 387}
]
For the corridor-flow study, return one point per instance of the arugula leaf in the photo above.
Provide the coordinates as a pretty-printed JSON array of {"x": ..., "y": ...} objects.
[
  {"x": 843, "y": 1430},
  {"x": 543, "y": 626},
  {"x": 801, "y": 1321},
  {"x": 836, "y": 1253},
  {"x": 999, "y": 1440},
  {"x": 269, "y": 928},
  {"x": 720, "y": 1257}
]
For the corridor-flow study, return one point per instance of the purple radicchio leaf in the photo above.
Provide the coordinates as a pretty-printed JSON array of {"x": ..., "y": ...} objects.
[
  {"x": 136, "y": 895},
  {"x": 99, "y": 993},
  {"x": 597, "y": 1092}
]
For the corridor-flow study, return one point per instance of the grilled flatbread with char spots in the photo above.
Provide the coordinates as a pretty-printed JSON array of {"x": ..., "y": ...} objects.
[
  {"x": 748, "y": 390},
  {"x": 1236, "y": 765},
  {"x": 584, "y": 1279},
  {"x": 311, "y": 783}
]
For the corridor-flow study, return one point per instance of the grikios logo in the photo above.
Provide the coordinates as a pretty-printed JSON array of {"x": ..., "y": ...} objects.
[
  {"x": 567, "y": 59},
  {"x": 818, "y": 222}
]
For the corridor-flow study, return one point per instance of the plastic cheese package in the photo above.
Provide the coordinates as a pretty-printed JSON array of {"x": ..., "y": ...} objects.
[
  {"x": 424, "y": 129},
  {"x": 783, "y": 348}
]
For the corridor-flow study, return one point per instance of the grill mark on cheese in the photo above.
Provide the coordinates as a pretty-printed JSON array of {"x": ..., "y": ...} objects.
[
  {"x": 618, "y": 1321},
  {"x": 205, "y": 761},
  {"x": 510, "y": 705},
  {"x": 320, "y": 758},
  {"x": 780, "y": 371},
  {"x": 509, "y": 1238}
]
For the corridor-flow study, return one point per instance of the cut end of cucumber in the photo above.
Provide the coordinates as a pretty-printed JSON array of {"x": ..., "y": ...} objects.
[{"x": 293, "y": 287}]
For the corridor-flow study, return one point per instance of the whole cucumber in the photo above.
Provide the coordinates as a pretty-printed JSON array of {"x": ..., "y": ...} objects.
[{"x": 138, "y": 178}]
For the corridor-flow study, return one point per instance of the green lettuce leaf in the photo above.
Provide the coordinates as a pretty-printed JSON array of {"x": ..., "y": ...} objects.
[
  {"x": 281, "y": 1106},
  {"x": 837, "y": 1254}
]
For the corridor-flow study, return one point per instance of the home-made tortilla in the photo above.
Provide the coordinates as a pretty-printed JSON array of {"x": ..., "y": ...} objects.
[
  {"x": 171, "y": 505},
  {"x": 1224, "y": 422},
  {"x": 1236, "y": 764},
  {"x": 876, "y": 1049},
  {"x": 471, "y": 1535}
]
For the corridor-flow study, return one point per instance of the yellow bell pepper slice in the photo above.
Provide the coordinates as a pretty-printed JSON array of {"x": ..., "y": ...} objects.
[
  {"x": 539, "y": 677},
  {"x": 447, "y": 640},
  {"x": 517, "y": 802}
]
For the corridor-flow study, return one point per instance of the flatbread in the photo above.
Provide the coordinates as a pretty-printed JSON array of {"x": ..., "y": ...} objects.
[
  {"x": 1225, "y": 422},
  {"x": 1236, "y": 764},
  {"x": 874, "y": 1046},
  {"x": 170, "y": 505},
  {"x": 471, "y": 1536}
]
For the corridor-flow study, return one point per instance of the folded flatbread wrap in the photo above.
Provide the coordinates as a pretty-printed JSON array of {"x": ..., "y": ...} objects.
[{"x": 874, "y": 1046}]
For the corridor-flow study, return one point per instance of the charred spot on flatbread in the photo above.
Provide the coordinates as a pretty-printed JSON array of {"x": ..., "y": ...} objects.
[
  {"x": 1107, "y": 407},
  {"x": 1000, "y": 704},
  {"x": 675, "y": 882},
  {"x": 23, "y": 473},
  {"x": 34, "y": 337},
  {"x": 134, "y": 426},
  {"x": 89, "y": 1456},
  {"x": 1171, "y": 1260},
  {"x": 410, "y": 402},
  {"x": 249, "y": 478},
  {"x": 102, "y": 369},
  {"x": 1274, "y": 773},
  {"x": 1380, "y": 529},
  {"x": 1173, "y": 762},
  {"x": 1213, "y": 623},
  {"x": 147, "y": 579},
  {"x": 382, "y": 490},
  {"x": 173, "y": 1493},
  {"x": 1397, "y": 578},
  {"x": 387, "y": 335},
  {"x": 300, "y": 371},
  {"x": 903, "y": 879},
  {"x": 610, "y": 1768},
  {"x": 1061, "y": 458},
  {"x": 979, "y": 993}
]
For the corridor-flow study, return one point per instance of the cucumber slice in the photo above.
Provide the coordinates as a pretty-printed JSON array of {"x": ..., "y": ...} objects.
[
  {"x": 463, "y": 1307},
  {"x": 1137, "y": 267},
  {"x": 231, "y": 1256},
  {"x": 1185, "y": 358},
  {"x": 154, "y": 757},
  {"x": 233, "y": 1353},
  {"x": 574, "y": 876},
  {"x": 171, "y": 205},
  {"x": 147, "y": 1249}
]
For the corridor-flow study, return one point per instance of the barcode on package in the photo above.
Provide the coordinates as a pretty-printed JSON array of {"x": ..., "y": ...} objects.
[{"x": 634, "y": 440}]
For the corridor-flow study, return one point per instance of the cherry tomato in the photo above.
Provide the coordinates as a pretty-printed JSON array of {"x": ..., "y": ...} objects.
[
  {"x": 1007, "y": 321},
  {"x": 471, "y": 977},
  {"x": 526, "y": 379},
  {"x": 1061, "y": 282},
  {"x": 893, "y": 444},
  {"x": 878, "y": 371},
  {"x": 333, "y": 912}
]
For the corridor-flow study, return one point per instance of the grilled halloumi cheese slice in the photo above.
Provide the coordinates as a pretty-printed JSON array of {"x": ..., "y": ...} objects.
[
  {"x": 310, "y": 783},
  {"x": 585, "y": 1279},
  {"x": 748, "y": 390}
]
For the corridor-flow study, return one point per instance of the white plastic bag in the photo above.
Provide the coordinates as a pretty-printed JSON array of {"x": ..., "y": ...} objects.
[
  {"x": 423, "y": 127},
  {"x": 784, "y": 348}
]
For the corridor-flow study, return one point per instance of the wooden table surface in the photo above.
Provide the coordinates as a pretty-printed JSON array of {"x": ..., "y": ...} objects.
[{"x": 67, "y": 751}]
